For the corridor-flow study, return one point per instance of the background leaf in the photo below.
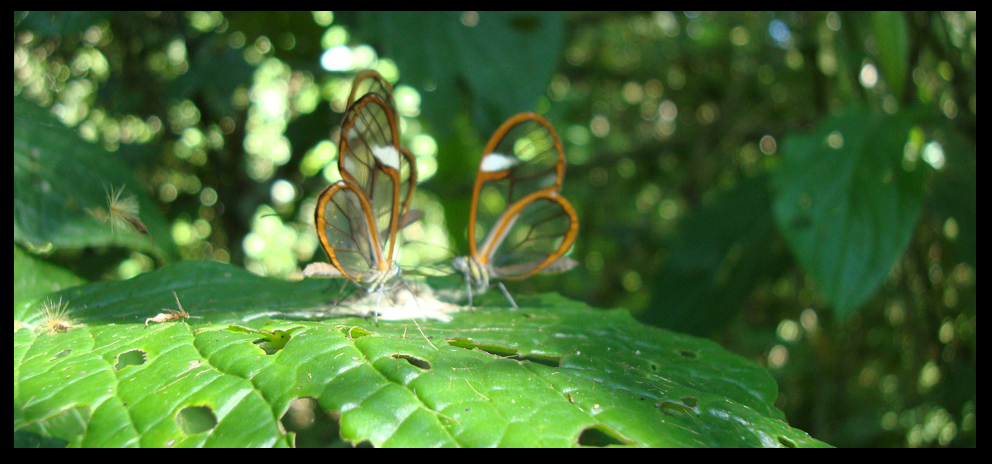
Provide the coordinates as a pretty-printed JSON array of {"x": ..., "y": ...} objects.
[
  {"x": 727, "y": 249},
  {"x": 499, "y": 65},
  {"x": 847, "y": 204},
  {"x": 34, "y": 277},
  {"x": 60, "y": 180},
  {"x": 892, "y": 33}
]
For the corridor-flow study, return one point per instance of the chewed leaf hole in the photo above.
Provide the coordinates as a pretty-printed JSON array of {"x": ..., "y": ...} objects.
[
  {"x": 506, "y": 352},
  {"x": 786, "y": 442},
  {"x": 414, "y": 361},
  {"x": 129, "y": 358},
  {"x": 601, "y": 435},
  {"x": 687, "y": 407},
  {"x": 196, "y": 419},
  {"x": 687, "y": 354},
  {"x": 552, "y": 361},
  {"x": 354, "y": 332},
  {"x": 497, "y": 350},
  {"x": 314, "y": 427}
]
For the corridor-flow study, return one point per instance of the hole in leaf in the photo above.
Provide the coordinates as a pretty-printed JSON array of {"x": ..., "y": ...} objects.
[
  {"x": 354, "y": 332},
  {"x": 497, "y": 350},
  {"x": 274, "y": 340},
  {"x": 552, "y": 361},
  {"x": 314, "y": 427},
  {"x": 601, "y": 435},
  {"x": 129, "y": 358},
  {"x": 674, "y": 409},
  {"x": 690, "y": 401},
  {"x": 196, "y": 419},
  {"x": 786, "y": 442},
  {"x": 69, "y": 424},
  {"x": 414, "y": 361},
  {"x": 25, "y": 439},
  {"x": 505, "y": 352},
  {"x": 687, "y": 354}
]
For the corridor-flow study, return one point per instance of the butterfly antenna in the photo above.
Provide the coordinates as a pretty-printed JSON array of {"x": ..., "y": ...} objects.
[{"x": 433, "y": 270}]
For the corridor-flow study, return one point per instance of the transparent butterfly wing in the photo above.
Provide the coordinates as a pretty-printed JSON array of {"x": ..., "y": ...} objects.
[
  {"x": 522, "y": 157},
  {"x": 371, "y": 82},
  {"x": 348, "y": 232},
  {"x": 372, "y": 160},
  {"x": 532, "y": 235}
]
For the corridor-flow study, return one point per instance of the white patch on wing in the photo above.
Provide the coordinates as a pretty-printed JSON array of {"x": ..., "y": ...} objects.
[
  {"x": 388, "y": 155},
  {"x": 496, "y": 162}
]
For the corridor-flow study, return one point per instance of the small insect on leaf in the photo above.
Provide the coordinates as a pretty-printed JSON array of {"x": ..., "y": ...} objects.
[
  {"x": 170, "y": 315},
  {"x": 55, "y": 318}
]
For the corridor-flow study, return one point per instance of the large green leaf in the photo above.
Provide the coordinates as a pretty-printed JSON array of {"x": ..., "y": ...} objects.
[
  {"x": 504, "y": 61},
  {"x": 556, "y": 373},
  {"x": 60, "y": 190},
  {"x": 847, "y": 203}
]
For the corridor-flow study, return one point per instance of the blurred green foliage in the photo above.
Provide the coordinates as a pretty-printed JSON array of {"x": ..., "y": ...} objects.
[{"x": 801, "y": 187}]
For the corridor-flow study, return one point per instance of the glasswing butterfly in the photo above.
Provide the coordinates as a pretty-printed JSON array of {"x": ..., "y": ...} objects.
[
  {"x": 358, "y": 218},
  {"x": 517, "y": 195}
]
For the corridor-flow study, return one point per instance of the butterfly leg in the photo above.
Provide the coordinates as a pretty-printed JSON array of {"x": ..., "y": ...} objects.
[
  {"x": 375, "y": 312},
  {"x": 506, "y": 293},
  {"x": 341, "y": 292},
  {"x": 468, "y": 289},
  {"x": 413, "y": 294}
]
